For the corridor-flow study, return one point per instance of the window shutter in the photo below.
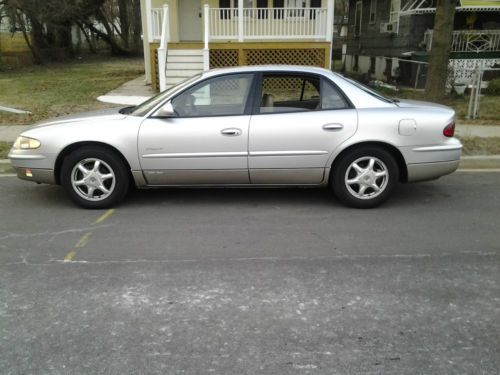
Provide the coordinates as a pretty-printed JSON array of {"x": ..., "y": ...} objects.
[{"x": 278, "y": 13}]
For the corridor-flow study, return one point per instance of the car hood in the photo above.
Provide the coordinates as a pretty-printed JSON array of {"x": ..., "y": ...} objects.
[
  {"x": 104, "y": 114},
  {"x": 406, "y": 103}
]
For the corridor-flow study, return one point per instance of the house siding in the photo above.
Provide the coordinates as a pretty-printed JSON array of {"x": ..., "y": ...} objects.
[{"x": 377, "y": 54}]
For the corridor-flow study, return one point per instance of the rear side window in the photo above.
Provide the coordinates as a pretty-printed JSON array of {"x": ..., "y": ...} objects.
[
  {"x": 331, "y": 97},
  {"x": 289, "y": 93},
  {"x": 282, "y": 93}
]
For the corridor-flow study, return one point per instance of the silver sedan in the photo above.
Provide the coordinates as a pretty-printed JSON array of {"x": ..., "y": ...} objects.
[{"x": 247, "y": 126}]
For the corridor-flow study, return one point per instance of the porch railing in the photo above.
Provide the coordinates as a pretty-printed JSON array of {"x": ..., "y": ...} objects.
[
  {"x": 268, "y": 23},
  {"x": 259, "y": 24},
  {"x": 156, "y": 22},
  {"x": 470, "y": 40}
]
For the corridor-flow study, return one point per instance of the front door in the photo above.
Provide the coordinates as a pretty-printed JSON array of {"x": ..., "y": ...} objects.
[
  {"x": 301, "y": 120},
  {"x": 206, "y": 142},
  {"x": 190, "y": 20}
]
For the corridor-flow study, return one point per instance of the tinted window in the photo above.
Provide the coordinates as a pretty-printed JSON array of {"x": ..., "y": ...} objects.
[{"x": 219, "y": 96}]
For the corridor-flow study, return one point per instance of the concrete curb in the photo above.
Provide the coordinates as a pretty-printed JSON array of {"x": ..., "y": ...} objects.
[{"x": 466, "y": 162}]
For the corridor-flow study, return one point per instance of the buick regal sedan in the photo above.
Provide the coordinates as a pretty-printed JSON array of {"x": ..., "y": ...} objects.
[{"x": 247, "y": 126}]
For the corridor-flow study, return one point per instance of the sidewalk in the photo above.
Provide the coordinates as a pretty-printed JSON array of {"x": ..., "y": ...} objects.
[{"x": 131, "y": 93}]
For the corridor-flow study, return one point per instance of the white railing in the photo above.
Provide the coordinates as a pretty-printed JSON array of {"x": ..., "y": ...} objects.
[
  {"x": 268, "y": 23},
  {"x": 156, "y": 22},
  {"x": 470, "y": 40}
]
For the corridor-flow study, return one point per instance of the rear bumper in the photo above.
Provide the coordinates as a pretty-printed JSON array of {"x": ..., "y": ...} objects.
[
  {"x": 431, "y": 171},
  {"x": 45, "y": 176}
]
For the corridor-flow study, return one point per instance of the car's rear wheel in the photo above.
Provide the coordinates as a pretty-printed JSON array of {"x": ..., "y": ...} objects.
[
  {"x": 94, "y": 177},
  {"x": 365, "y": 177}
]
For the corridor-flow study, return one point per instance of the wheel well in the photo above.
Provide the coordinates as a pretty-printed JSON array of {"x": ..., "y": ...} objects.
[
  {"x": 69, "y": 149},
  {"x": 403, "y": 171}
]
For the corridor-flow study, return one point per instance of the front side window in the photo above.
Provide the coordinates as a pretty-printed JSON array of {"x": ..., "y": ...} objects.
[{"x": 218, "y": 96}]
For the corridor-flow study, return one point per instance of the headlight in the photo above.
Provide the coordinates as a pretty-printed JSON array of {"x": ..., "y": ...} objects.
[{"x": 25, "y": 143}]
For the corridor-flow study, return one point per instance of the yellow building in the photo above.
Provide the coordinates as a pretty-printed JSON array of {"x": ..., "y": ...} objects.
[{"x": 185, "y": 37}]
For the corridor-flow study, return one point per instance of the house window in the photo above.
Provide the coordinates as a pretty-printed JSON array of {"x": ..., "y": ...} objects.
[
  {"x": 358, "y": 14},
  {"x": 373, "y": 11},
  {"x": 229, "y": 8},
  {"x": 294, "y": 8}
]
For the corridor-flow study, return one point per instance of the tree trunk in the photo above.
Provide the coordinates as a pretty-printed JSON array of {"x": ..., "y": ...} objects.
[
  {"x": 124, "y": 22},
  {"x": 437, "y": 72},
  {"x": 136, "y": 26}
]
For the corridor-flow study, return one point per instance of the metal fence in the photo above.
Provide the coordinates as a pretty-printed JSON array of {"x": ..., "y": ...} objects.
[{"x": 475, "y": 93}]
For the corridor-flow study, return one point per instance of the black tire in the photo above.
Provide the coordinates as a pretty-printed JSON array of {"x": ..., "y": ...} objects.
[
  {"x": 343, "y": 170},
  {"x": 108, "y": 160}
]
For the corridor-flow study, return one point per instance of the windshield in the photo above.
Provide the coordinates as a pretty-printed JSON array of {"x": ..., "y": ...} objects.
[
  {"x": 370, "y": 91},
  {"x": 148, "y": 105}
]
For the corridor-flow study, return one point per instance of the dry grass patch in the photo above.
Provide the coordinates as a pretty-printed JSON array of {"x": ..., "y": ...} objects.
[{"x": 61, "y": 88}]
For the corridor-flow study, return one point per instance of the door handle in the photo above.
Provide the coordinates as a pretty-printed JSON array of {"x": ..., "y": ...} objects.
[
  {"x": 333, "y": 127},
  {"x": 231, "y": 132}
]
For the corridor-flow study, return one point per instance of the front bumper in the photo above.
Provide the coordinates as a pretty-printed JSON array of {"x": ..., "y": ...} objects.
[{"x": 45, "y": 176}]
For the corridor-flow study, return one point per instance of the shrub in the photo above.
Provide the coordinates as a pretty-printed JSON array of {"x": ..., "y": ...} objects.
[{"x": 493, "y": 87}]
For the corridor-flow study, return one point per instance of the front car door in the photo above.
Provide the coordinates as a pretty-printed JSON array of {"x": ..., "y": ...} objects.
[
  {"x": 206, "y": 142},
  {"x": 300, "y": 121}
]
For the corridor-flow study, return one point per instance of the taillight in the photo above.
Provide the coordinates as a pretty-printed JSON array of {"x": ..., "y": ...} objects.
[{"x": 449, "y": 130}]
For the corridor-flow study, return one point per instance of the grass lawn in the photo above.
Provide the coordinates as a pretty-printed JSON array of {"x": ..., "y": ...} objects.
[
  {"x": 61, "y": 88},
  {"x": 4, "y": 149}
]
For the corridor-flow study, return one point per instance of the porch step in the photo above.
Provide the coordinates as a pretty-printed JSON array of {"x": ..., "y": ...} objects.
[{"x": 182, "y": 64}]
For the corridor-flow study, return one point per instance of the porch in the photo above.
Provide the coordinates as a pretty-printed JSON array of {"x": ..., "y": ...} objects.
[
  {"x": 218, "y": 37},
  {"x": 470, "y": 41}
]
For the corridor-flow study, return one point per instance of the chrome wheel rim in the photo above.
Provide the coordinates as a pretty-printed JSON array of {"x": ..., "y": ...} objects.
[
  {"x": 366, "y": 177},
  {"x": 93, "y": 179}
]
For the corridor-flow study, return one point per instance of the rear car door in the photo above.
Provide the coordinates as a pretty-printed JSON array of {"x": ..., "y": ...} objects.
[{"x": 299, "y": 120}]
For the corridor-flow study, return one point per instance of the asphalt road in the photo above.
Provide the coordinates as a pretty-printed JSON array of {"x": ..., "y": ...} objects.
[{"x": 190, "y": 281}]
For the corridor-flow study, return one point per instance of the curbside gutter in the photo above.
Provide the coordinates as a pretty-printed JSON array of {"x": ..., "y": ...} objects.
[{"x": 479, "y": 162}]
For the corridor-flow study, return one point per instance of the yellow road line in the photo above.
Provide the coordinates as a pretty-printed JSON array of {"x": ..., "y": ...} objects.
[
  {"x": 104, "y": 216},
  {"x": 83, "y": 241},
  {"x": 69, "y": 257}
]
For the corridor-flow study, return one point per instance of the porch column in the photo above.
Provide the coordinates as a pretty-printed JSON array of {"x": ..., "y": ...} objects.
[
  {"x": 329, "y": 21},
  {"x": 206, "y": 51},
  {"x": 149, "y": 17},
  {"x": 162, "y": 51},
  {"x": 240, "y": 21}
]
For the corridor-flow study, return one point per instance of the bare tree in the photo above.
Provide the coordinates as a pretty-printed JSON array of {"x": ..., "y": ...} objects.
[
  {"x": 48, "y": 24},
  {"x": 440, "y": 52}
]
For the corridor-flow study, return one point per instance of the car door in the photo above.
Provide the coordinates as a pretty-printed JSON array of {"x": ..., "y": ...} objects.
[
  {"x": 206, "y": 141},
  {"x": 300, "y": 121}
]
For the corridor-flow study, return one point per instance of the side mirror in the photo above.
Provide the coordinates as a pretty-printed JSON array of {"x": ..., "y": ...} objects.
[{"x": 167, "y": 110}]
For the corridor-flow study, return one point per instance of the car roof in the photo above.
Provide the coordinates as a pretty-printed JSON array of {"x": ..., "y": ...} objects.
[{"x": 269, "y": 68}]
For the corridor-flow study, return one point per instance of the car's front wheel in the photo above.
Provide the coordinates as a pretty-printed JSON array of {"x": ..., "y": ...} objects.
[
  {"x": 365, "y": 177},
  {"x": 94, "y": 177}
]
